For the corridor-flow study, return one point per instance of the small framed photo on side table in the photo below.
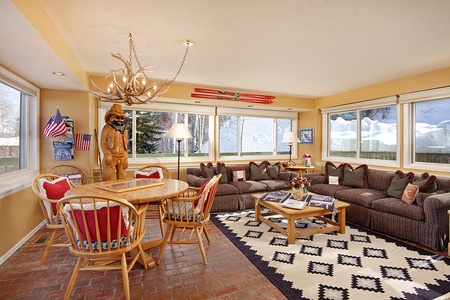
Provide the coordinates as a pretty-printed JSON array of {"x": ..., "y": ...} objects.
[{"x": 306, "y": 136}]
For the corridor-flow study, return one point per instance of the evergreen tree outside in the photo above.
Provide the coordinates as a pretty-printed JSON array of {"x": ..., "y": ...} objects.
[{"x": 148, "y": 132}]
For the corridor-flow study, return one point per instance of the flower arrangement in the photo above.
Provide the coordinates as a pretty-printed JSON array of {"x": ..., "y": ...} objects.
[
  {"x": 300, "y": 182},
  {"x": 306, "y": 155}
]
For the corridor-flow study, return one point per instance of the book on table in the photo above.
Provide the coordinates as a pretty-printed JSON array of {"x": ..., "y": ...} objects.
[{"x": 293, "y": 203}]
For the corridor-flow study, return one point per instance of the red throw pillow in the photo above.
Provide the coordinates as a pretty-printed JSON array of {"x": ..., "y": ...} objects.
[
  {"x": 201, "y": 191},
  {"x": 102, "y": 215},
  {"x": 56, "y": 189},
  {"x": 148, "y": 175},
  {"x": 239, "y": 173}
]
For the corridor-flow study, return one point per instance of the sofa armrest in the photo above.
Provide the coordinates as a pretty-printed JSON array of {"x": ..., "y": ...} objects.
[
  {"x": 436, "y": 209},
  {"x": 195, "y": 181}
]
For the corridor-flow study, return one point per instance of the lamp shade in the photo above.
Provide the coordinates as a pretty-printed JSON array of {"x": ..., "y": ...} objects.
[
  {"x": 179, "y": 131},
  {"x": 290, "y": 138}
]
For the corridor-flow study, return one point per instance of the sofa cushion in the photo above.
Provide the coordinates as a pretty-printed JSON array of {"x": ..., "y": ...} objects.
[
  {"x": 399, "y": 183},
  {"x": 400, "y": 208},
  {"x": 259, "y": 172},
  {"x": 221, "y": 169},
  {"x": 274, "y": 170},
  {"x": 380, "y": 179},
  {"x": 332, "y": 170},
  {"x": 410, "y": 192},
  {"x": 249, "y": 186},
  {"x": 208, "y": 170},
  {"x": 274, "y": 185},
  {"x": 326, "y": 189},
  {"x": 426, "y": 183},
  {"x": 226, "y": 189},
  {"x": 362, "y": 197},
  {"x": 357, "y": 177}
]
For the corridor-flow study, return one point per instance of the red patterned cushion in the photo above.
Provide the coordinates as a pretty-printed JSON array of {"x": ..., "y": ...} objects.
[
  {"x": 239, "y": 173},
  {"x": 102, "y": 216},
  {"x": 201, "y": 191},
  {"x": 410, "y": 193},
  {"x": 153, "y": 173}
]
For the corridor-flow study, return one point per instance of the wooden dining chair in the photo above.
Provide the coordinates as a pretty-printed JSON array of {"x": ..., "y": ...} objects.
[
  {"x": 190, "y": 210},
  {"x": 155, "y": 210},
  {"x": 104, "y": 233},
  {"x": 75, "y": 174},
  {"x": 50, "y": 188}
]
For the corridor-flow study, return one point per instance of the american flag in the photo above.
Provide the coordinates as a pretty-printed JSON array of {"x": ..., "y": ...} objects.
[
  {"x": 55, "y": 126},
  {"x": 83, "y": 141}
]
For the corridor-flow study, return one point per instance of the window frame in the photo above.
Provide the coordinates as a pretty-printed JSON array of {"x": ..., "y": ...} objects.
[
  {"x": 15, "y": 181},
  {"x": 409, "y": 122},
  {"x": 357, "y": 107}
]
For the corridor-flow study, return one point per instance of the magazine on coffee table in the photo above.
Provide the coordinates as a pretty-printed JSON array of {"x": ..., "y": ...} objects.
[
  {"x": 275, "y": 196},
  {"x": 326, "y": 202},
  {"x": 293, "y": 203}
]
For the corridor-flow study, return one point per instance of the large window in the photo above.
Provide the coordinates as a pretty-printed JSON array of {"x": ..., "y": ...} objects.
[
  {"x": 366, "y": 133},
  {"x": 147, "y": 125},
  {"x": 19, "y": 153},
  {"x": 250, "y": 135},
  {"x": 427, "y": 129}
]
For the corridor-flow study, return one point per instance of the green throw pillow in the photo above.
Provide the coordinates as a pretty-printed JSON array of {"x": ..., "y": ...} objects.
[
  {"x": 259, "y": 172},
  {"x": 399, "y": 183},
  {"x": 357, "y": 178}
]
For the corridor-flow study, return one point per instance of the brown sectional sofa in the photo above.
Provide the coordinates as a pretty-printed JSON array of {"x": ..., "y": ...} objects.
[
  {"x": 237, "y": 195},
  {"x": 425, "y": 221}
]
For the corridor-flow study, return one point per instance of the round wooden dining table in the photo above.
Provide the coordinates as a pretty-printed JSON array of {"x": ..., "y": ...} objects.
[{"x": 138, "y": 192}]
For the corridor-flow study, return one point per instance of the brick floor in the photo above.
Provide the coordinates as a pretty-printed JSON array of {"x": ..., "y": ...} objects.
[{"x": 181, "y": 274}]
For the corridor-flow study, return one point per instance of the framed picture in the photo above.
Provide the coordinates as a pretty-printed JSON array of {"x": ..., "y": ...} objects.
[{"x": 306, "y": 136}]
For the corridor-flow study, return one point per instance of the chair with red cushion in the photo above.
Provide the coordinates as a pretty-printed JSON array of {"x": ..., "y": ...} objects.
[
  {"x": 155, "y": 210},
  {"x": 75, "y": 174},
  {"x": 50, "y": 188},
  {"x": 190, "y": 210},
  {"x": 105, "y": 233}
]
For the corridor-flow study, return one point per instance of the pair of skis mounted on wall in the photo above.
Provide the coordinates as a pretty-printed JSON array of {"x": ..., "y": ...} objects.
[{"x": 233, "y": 96}]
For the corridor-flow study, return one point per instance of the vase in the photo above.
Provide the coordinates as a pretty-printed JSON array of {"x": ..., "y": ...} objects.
[
  {"x": 307, "y": 162},
  {"x": 297, "y": 193}
]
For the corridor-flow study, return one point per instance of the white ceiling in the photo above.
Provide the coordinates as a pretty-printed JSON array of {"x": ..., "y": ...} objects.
[{"x": 306, "y": 48}]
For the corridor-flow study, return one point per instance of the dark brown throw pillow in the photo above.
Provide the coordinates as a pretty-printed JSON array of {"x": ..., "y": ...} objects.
[
  {"x": 332, "y": 170},
  {"x": 208, "y": 171},
  {"x": 259, "y": 172},
  {"x": 222, "y": 170},
  {"x": 426, "y": 183},
  {"x": 274, "y": 170},
  {"x": 399, "y": 183},
  {"x": 357, "y": 178}
]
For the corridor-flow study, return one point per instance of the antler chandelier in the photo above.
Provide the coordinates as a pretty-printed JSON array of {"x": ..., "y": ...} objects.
[{"x": 134, "y": 87}]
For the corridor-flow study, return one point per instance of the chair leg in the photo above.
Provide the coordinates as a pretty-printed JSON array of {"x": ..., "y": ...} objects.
[
  {"x": 73, "y": 278},
  {"x": 200, "y": 243},
  {"x": 163, "y": 246},
  {"x": 206, "y": 235},
  {"x": 161, "y": 217},
  {"x": 126, "y": 283},
  {"x": 49, "y": 246}
]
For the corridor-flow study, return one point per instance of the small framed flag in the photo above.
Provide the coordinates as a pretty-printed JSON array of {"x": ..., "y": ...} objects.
[{"x": 82, "y": 141}]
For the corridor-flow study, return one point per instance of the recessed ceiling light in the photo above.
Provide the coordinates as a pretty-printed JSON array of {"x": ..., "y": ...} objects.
[{"x": 59, "y": 73}]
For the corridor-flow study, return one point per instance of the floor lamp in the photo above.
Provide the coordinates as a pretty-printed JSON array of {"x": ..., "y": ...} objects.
[
  {"x": 179, "y": 132},
  {"x": 290, "y": 138}
]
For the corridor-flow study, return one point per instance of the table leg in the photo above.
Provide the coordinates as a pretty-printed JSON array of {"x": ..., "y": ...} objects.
[
  {"x": 341, "y": 217},
  {"x": 257, "y": 210},
  {"x": 291, "y": 230}
]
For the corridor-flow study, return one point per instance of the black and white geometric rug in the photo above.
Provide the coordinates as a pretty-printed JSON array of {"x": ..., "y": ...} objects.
[{"x": 358, "y": 265}]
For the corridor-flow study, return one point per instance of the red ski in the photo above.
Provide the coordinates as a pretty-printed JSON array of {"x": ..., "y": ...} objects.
[
  {"x": 232, "y": 98},
  {"x": 235, "y": 94}
]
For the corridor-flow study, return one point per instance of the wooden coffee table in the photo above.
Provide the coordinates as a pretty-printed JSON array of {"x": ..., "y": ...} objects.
[{"x": 291, "y": 215}]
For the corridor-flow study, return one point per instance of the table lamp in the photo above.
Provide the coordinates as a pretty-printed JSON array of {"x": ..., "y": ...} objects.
[
  {"x": 290, "y": 138},
  {"x": 179, "y": 132}
]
